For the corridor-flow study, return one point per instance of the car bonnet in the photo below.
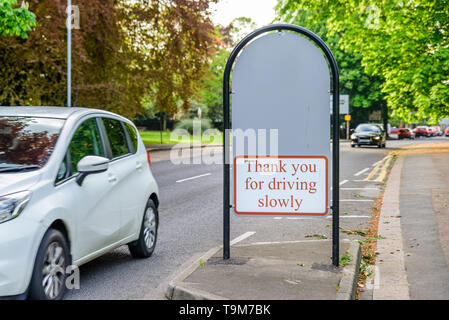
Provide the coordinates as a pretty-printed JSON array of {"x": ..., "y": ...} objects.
[{"x": 17, "y": 181}]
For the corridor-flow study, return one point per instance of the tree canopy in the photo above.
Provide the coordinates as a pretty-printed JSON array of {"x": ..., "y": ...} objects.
[
  {"x": 403, "y": 42},
  {"x": 14, "y": 20},
  {"x": 124, "y": 52},
  {"x": 363, "y": 89},
  {"x": 226, "y": 37}
]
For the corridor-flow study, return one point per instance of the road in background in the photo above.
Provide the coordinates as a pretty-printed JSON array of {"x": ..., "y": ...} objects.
[{"x": 191, "y": 222}]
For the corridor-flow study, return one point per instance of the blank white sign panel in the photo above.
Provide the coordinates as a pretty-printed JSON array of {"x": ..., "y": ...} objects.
[{"x": 281, "y": 81}]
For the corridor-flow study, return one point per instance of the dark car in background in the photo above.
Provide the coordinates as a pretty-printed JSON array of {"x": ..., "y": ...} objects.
[
  {"x": 405, "y": 133},
  {"x": 422, "y": 131},
  {"x": 367, "y": 134}
]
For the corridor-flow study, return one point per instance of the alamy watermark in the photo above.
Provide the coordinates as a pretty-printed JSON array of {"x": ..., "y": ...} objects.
[
  {"x": 73, "y": 17},
  {"x": 191, "y": 150},
  {"x": 373, "y": 19}
]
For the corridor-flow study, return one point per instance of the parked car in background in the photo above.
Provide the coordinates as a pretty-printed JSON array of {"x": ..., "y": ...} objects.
[
  {"x": 405, "y": 133},
  {"x": 370, "y": 135},
  {"x": 432, "y": 131},
  {"x": 75, "y": 184},
  {"x": 394, "y": 130},
  {"x": 438, "y": 131},
  {"x": 422, "y": 131},
  {"x": 446, "y": 132}
]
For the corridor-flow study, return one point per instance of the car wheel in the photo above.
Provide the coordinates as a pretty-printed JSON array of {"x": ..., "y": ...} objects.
[
  {"x": 48, "y": 281},
  {"x": 144, "y": 246},
  {"x": 352, "y": 145},
  {"x": 379, "y": 145}
]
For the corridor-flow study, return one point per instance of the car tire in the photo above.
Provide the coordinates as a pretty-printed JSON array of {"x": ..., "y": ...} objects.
[
  {"x": 48, "y": 281},
  {"x": 352, "y": 145},
  {"x": 145, "y": 245},
  {"x": 380, "y": 146}
]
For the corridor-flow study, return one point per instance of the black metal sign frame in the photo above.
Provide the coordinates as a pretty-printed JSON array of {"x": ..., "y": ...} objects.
[{"x": 335, "y": 133}]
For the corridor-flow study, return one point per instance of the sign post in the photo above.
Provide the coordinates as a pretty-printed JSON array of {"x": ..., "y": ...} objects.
[
  {"x": 348, "y": 120},
  {"x": 281, "y": 84},
  {"x": 69, "y": 53}
]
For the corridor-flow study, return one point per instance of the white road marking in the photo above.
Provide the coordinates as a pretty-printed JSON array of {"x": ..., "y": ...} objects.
[
  {"x": 359, "y": 188},
  {"x": 361, "y": 171},
  {"x": 343, "y": 182},
  {"x": 358, "y": 217},
  {"x": 196, "y": 177},
  {"x": 242, "y": 237},
  {"x": 328, "y": 217}
]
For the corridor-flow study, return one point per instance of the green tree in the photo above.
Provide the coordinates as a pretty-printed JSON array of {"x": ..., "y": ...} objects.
[
  {"x": 212, "y": 92},
  {"x": 364, "y": 90},
  {"x": 15, "y": 21},
  {"x": 403, "y": 42},
  {"x": 124, "y": 54},
  {"x": 212, "y": 82}
]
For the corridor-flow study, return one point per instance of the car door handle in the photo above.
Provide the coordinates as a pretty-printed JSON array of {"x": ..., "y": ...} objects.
[
  {"x": 139, "y": 165},
  {"x": 112, "y": 178}
]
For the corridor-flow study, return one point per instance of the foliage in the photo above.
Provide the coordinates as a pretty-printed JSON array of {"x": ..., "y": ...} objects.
[
  {"x": 19, "y": 145},
  {"x": 404, "y": 42},
  {"x": 15, "y": 21},
  {"x": 190, "y": 124},
  {"x": 212, "y": 92},
  {"x": 364, "y": 90},
  {"x": 123, "y": 53},
  {"x": 225, "y": 39}
]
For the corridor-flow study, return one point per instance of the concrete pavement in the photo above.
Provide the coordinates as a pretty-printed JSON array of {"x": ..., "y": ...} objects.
[
  {"x": 413, "y": 251},
  {"x": 295, "y": 270}
]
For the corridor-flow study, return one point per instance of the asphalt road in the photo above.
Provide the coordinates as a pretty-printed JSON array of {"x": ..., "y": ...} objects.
[{"x": 191, "y": 223}]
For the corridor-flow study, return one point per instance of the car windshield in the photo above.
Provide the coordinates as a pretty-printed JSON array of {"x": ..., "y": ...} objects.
[
  {"x": 27, "y": 142},
  {"x": 367, "y": 127}
]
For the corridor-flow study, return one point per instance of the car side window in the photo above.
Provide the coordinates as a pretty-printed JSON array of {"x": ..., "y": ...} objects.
[
  {"x": 63, "y": 171},
  {"x": 117, "y": 137},
  {"x": 132, "y": 133},
  {"x": 85, "y": 142}
]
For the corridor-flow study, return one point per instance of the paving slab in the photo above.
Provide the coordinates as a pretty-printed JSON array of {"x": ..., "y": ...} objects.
[{"x": 294, "y": 270}]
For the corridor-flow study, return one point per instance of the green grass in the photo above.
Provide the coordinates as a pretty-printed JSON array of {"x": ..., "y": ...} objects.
[{"x": 154, "y": 137}]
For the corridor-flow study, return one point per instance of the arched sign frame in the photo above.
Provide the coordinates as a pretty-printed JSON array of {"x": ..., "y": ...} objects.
[{"x": 335, "y": 131}]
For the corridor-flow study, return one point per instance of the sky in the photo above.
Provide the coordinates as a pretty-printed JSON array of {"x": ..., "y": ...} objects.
[{"x": 260, "y": 11}]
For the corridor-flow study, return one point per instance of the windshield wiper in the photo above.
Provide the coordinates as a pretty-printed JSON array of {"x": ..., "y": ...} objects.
[{"x": 20, "y": 168}]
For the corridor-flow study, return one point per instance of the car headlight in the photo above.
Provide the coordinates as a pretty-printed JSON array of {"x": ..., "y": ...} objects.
[
  {"x": 376, "y": 138},
  {"x": 353, "y": 137},
  {"x": 12, "y": 205}
]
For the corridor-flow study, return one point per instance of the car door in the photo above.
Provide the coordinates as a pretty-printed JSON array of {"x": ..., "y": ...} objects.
[
  {"x": 127, "y": 168},
  {"x": 94, "y": 205}
]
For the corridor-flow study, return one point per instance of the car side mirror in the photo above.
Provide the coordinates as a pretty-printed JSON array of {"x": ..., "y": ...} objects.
[
  {"x": 91, "y": 165},
  {"x": 351, "y": 130}
]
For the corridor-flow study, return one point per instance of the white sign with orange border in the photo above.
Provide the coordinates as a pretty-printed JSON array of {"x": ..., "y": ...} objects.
[
  {"x": 281, "y": 185},
  {"x": 281, "y": 83}
]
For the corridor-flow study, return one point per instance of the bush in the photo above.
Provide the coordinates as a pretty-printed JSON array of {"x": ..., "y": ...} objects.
[{"x": 188, "y": 125}]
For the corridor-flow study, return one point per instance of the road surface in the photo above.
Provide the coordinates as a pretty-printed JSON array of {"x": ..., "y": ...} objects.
[{"x": 191, "y": 222}]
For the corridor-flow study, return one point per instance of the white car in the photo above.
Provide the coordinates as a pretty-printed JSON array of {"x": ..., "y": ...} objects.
[{"x": 75, "y": 183}]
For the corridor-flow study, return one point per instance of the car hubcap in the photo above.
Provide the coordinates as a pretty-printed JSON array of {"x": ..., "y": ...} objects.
[
  {"x": 53, "y": 270},
  {"x": 149, "y": 231}
]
